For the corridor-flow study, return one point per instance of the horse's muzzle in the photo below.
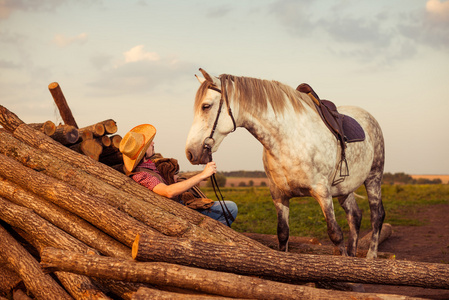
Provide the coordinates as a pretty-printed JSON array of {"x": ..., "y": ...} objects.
[{"x": 203, "y": 158}]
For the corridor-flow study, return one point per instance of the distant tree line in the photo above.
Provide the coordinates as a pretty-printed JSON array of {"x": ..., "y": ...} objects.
[
  {"x": 402, "y": 178},
  {"x": 388, "y": 178},
  {"x": 247, "y": 174}
]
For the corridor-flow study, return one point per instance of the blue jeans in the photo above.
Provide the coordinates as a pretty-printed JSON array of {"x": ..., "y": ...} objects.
[{"x": 216, "y": 212}]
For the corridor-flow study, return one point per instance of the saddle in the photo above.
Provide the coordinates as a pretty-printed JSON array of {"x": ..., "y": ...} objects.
[{"x": 344, "y": 128}]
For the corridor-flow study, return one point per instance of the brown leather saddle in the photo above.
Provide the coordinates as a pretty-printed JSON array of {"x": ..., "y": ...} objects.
[{"x": 344, "y": 128}]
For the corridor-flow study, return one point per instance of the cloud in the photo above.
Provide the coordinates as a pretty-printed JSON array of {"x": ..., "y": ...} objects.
[
  {"x": 138, "y": 54},
  {"x": 438, "y": 11},
  {"x": 8, "y": 7},
  {"x": 7, "y": 64},
  {"x": 64, "y": 41},
  {"x": 381, "y": 35},
  {"x": 139, "y": 71}
]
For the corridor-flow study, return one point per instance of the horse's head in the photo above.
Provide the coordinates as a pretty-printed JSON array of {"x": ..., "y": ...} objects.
[{"x": 212, "y": 121}]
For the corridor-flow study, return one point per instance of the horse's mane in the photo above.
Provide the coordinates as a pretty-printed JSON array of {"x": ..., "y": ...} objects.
[{"x": 252, "y": 94}]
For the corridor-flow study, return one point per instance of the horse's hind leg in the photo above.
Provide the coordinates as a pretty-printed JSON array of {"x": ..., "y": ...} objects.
[
  {"x": 282, "y": 205},
  {"x": 374, "y": 191},
  {"x": 354, "y": 217}
]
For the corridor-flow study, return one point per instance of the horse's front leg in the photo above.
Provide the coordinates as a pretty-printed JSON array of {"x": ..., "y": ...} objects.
[
  {"x": 282, "y": 204},
  {"x": 324, "y": 198}
]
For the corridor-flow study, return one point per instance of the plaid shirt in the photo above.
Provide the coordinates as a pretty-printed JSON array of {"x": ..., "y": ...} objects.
[{"x": 146, "y": 179}]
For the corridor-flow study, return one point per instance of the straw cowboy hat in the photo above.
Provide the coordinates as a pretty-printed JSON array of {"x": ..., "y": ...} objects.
[{"x": 134, "y": 145}]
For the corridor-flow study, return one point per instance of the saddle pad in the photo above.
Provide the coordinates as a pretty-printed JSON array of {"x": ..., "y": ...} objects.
[{"x": 352, "y": 130}]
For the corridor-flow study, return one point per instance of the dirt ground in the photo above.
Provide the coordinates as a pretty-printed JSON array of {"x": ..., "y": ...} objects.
[{"x": 428, "y": 243}]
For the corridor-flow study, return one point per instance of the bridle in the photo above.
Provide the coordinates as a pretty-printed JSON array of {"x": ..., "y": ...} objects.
[{"x": 209, "y": 142}]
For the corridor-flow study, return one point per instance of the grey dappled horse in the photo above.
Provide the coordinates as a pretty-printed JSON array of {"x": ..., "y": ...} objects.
[{"x": 301, "y": 156}]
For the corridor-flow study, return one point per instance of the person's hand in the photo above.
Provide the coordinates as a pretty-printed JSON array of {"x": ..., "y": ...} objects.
[{"x": 210, "y": 169}]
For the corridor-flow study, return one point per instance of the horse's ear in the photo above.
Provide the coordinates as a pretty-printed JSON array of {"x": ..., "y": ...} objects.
[
  {"x": 200, "y": 79},
  {"x": 209, "y": 78}
]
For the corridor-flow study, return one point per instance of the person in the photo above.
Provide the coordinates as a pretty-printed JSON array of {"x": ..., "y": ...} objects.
[{"x": 160, "y": 175}]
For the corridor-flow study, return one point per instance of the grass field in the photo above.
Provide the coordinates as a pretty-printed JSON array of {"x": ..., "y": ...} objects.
[{"x": 257, "y": 212}]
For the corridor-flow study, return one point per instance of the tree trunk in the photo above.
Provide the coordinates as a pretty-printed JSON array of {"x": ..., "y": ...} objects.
[
  {"x": 289, "y": 266},
  {"x": 112, "y": 221},
  {"x": 210, "y": 282},
  {"x": 40, "y": 141},
  {"x": 112, "y": 159},
  {"x": 104, "y": 141},
  {"x": 122, "y": 289},
  {"x": 41, "y": 285},
  {"x": 385, "y": 233},
  {"x": 48, "y": 127},
  {"x": 96, "y": 129},
  {"x": 110, "y": 126},
  {"x": 8, "y": 278},
  {"x": 66, "y": 134},
  {"x": 61, "y": 103},
  {"x": 90, "y": 147},
  {"x": 20, "y": 295},
  {"x": 85, "y": 135},
  {"x": 145, "y": 293},
  {"x": 79, "y": 286},
  {"x": 63, "y": 219},
  {"x": 45, "y": 232}
]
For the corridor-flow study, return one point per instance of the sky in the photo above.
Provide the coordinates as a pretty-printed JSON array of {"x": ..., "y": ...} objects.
[{"x": 134, "y": 61}]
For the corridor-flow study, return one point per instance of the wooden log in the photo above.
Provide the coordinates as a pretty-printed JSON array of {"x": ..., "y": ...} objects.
[
  {"x": 8, "y": 278},
  {"x": 41, "y": 285},
  {"x": 104, "y": 141},
  {"x": 20, "y": 295},
  {"x": 97, "y": 129},
  {"x": 112, "y": 159},
  {"x": 121, "y": 289},
  {"x": 114, "y": 147},
  {"x": 90, "y": 147},
  {"x": 385, "y": 233},
  {"x": 85, "y": 135},
  {"x": 143, "y": 211},
  {"x": 110, "y": 126},
  {"x": 290, "y": 266},
  {"x": 210, "y": 282},
  {"x": 144, "y": 293},
  {"x": 48, "y": 127},
  {"x": 66, "y": 134},
  {"x": 79, "y": 286},
  {"x": 44, "y": 232},
  {"x": 61, "y": 103},
  {"x": 64, "y": 220},
  {"x": 36, "y": 139},
  {"x": 109, "y": 219}
]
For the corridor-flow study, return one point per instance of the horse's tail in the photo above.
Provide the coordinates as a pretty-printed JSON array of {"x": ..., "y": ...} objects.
[{"x": 359, "y": 196}]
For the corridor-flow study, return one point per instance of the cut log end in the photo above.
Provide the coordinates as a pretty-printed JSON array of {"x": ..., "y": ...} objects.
[
  {"x": 135, "y": 248},
  {"x": 53, "y": 85}
]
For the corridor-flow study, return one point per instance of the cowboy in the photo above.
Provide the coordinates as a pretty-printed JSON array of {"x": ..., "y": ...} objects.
[{"x": 159, "y": 174}]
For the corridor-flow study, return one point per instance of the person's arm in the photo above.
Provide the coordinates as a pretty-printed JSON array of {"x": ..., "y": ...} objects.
[{"x": 178, "y": 188}]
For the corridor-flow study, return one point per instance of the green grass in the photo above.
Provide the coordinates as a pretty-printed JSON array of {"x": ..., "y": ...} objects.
[{"x": 257, "y": 212}]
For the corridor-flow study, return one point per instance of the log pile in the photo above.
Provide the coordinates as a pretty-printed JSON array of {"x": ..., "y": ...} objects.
[
  {"x": 73, "y": 227},
  {"x": 99, "y": 141}
]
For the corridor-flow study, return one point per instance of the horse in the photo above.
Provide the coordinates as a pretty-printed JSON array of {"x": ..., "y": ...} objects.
[{"x": 301, "y": 156}]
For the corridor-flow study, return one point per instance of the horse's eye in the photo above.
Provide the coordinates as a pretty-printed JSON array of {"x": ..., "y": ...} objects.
[{"x": 205, "y": 106}]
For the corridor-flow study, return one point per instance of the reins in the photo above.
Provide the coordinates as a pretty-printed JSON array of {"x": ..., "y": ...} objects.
[{"x": 209, "y": 142}]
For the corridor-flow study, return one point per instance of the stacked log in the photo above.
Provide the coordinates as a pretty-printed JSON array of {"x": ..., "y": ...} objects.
[
  {"x": 98, "y": 234},
  {"x": 99, "y": 141}
]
